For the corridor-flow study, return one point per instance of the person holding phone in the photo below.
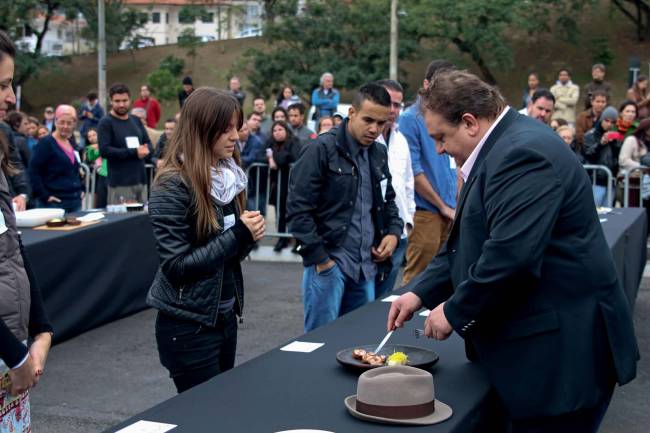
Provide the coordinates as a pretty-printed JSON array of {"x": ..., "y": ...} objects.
[
  {"x": 202, "y": 231},
  {"x": 601, "y": 147}
]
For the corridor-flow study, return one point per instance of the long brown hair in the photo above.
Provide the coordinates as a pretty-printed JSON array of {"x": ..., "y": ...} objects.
[{"x": 205, "y": 116}]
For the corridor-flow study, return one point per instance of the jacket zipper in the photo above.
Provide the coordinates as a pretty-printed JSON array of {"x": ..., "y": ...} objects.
[{"x": 241, "y": 306}]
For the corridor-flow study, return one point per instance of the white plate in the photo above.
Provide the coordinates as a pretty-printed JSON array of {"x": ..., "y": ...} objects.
[{"x": 37, "y": 217}]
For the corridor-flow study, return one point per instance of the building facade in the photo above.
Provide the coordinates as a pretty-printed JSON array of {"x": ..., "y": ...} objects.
[{"x": 226, "y": 19}]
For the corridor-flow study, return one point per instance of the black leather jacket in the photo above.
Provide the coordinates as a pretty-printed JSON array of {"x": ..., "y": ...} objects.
[
  {"x": 188, "y": 282},
  {"x": 322, "y": 192}
]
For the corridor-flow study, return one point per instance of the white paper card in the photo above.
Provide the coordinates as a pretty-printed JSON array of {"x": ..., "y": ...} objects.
[
  {"x": 602, "y": 220},
  {"x": 132, "y": 142},
  {"x": 147, "y": 427},
  {"x": 228, "y": 221},
  {"x": 425, "y": 313},
  {"x": 452, "y": 163},
  {"x": 384, "y": 186},
  {"x": 390, "y": 298},
  {"x": 77, "y": 157},
  {"x": 301, "y": 346},
  {"x": 3, "y": 224},
  {"x": 93, "y": 216}
]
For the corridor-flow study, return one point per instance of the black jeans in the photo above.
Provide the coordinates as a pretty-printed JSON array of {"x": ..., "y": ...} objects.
[{"x": 194, "y": 353}]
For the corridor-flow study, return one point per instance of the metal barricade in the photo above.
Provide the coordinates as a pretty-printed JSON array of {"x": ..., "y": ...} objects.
[
  {"x": 151, "y": 172},
  {"x": 86, "y": 203},
  {"x": 593, "y": 169},
  {"x": 265, "y": 181},
  {"x": 626, "y": 184}
]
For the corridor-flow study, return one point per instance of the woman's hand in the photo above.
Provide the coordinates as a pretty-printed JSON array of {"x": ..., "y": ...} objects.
[
  {"x": 39, "y": 350},
  {"x": 255, "y": 223},
  {"x": 272, "y": 163},
  {"x": 52, "y": 199}
]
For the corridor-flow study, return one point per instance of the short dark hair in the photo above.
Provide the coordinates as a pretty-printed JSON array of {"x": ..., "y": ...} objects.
[
  {"x": 393, "y": 85},
  {"x": 598, "y": 92},
  {"x": 626, "y": 103},
  {"x": 297, "y": 106},
  {"x": 436, "y": 66},
  {"x": 276, "y": 109},
  {"x": 371, "y": 92},
  {"x": 14, "y": 119},
  {"x": 7, "y": 48},
  {"x": 251, "y": 114},
  {"x": 453, "y": 93},
  {"x": 170, "y": 120},
  {"x": 259, "y": 97},
  {"x": 542, "y": 93},
  {"x": 599, "y": 66},
  {"x": 564, "y": 70},
  {"x": 118, "y": 88},
  {"x": 91, "y": 96}
]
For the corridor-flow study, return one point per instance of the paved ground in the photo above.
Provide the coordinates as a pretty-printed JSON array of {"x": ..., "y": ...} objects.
[{"x": 109, "y": 374}]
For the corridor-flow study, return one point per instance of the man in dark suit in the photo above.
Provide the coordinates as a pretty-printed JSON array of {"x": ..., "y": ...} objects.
[{"x": 526, "y": 277}]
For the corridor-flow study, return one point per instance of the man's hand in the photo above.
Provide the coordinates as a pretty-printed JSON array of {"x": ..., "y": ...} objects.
[
  {"x": 448, "y": 213},
  {"x": 322, "y": 267},
  {"x": 52, "y": 199},
  {"x": 143, "y": 151},
  {"x": 402, "y": 309},
  {"x": 385, "y": 248},
  {"x": 23, "y": 377},
  {"x": 39, "y": 350},
  {"x": 20, "y": 203},
  {"x": 254, "y": 221},
  {"x": 159, "y": 163},
  {"x": 436, "y": 326}
]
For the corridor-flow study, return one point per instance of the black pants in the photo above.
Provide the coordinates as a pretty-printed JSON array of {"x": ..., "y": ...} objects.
[
  {"x": 101, "y": 191},
  {"x": 194, "y": 353},
  {"x": 580, "y": 421}
]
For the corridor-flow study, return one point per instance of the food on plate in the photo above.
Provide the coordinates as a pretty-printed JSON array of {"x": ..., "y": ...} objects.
[
  {"x": 358, "y": 354},
  {"x": 368, "y": 357},
  {"x": 55, "y": 222},
  {"x": 398, "y": 358},
  {"x": 72, "y": 221}
]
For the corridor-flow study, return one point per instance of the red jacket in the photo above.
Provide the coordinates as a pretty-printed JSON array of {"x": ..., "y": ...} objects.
[{"x": 152, "y": 107}]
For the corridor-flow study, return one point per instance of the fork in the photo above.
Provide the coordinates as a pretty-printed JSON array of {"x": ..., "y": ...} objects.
[{"x": 418, "y": 333}]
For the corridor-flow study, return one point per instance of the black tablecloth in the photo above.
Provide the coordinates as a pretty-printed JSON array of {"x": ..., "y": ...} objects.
[
  {"x": 285, "y": 390},
  {"x": 95, "y": 274},
  {"x": 626, "y": 231}
]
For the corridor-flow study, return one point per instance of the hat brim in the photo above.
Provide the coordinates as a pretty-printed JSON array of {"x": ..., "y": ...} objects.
[{"x": 442, "y": 413}]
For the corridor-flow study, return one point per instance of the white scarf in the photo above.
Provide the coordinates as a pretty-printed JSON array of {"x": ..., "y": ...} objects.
[{"x": 228, "y": 180}]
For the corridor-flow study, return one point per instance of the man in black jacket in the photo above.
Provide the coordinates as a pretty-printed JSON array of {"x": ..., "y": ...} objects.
[
  {"x": 526, "y": 276},
  {"x": 341, "y": 208}
]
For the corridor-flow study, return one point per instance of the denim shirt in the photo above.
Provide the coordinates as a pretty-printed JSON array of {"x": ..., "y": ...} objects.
[
  {"x": 424, "y": 159},
  {"x": 354, "y": 256}
]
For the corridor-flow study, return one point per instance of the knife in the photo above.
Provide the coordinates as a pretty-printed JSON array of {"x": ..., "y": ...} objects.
[{"x": 383, "y": 342}]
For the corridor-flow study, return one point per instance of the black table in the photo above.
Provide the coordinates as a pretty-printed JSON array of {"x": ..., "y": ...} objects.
[
  {"x": 285, "y": 390},
  {"x": 626, "y": 231},
  {"x": 93, "y": 275}
]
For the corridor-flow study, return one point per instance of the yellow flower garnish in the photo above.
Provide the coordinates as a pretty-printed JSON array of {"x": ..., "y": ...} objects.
[{"x": 398, "y": 358}]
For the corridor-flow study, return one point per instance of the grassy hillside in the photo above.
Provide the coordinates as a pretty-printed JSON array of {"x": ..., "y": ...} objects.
[{"x": 538, "y": 52}]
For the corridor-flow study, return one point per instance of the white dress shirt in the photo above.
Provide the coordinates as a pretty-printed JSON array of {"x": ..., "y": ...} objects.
[{"x": 466, "y": 169}]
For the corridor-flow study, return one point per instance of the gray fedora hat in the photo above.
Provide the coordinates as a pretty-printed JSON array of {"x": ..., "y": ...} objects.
[{"x": 397, "y": 395}]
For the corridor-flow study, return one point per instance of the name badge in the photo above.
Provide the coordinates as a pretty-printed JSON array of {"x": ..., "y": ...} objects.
[
  {"x": 132, "y": 142},
  {"x": 384, "y": 185},
  {"x": 452, "y": 163},
  {"x": 228, "y": 221},
  {"x": 77, "y": 157}
]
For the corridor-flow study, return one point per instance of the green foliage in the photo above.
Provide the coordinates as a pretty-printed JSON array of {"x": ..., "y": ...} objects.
[
  {"x": 189, "y": 42},
  {"x": 349, "y": 39},
  {"x": 173, "y": 64},
  {"x": 121, "y": 21},
  {"x": 164, "y": 84},
  {"x": 601, "y": 51}
]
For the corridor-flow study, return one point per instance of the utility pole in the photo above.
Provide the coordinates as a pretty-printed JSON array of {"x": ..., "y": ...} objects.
[
  {"x": 101, "y": 53},
  {"x": 392, "y": 73}
]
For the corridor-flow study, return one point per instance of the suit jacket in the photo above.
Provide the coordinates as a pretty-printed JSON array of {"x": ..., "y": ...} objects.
[{"x": 528, "y": 279}]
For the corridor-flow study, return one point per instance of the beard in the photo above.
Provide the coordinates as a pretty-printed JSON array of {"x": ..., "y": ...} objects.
[{"x": 121, "y": 111}]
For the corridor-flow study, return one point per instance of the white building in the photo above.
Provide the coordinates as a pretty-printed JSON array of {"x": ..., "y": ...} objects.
[
  {"x": 62, "y": 37},
  {"x": 222, "y": 19}
]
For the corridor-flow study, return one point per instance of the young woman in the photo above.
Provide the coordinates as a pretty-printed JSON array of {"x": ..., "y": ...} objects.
[
  {"x": 533, "y": 84},
  {"x": 287, "y": 97},
  {"x": 279, "y": 114},
  {"x": 101, "y": 168},
  {"x": 54, "y": 166},
  {"x": 627, "y": 121},
  {"x": 202, "y": 232},
  {"x": 21, "y": 308},
  {"x": 283, "y": 149},
  {"x": 639, "y": 90}
]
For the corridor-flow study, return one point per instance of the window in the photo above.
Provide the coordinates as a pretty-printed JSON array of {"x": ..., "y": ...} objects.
[
  {"x": 167, "y": 18},
  {"x": 155, "y": 17},
  {"x": 207, "y": 17},
  {"x": 252, "y": 11},
  {"x": 185, "y": 16}
]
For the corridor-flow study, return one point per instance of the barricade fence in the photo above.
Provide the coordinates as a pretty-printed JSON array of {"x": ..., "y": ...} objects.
[
  {"x": 593, "y": 170},
  {"x": 631, "y": 182}
]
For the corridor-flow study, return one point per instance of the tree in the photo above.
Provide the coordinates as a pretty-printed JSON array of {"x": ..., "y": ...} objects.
[
  {"x": 348, "y": 38},
  {"x": 121, "y": 22},
  {"x": 484, "y": 30},
  {"x": 164, "y": 80},
  {"x": 190, "y": 43},
  {"x": 640, "y": 13}
]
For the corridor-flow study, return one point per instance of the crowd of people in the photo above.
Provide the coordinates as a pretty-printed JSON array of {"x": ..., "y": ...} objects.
[{"x": 368, "y": 192}]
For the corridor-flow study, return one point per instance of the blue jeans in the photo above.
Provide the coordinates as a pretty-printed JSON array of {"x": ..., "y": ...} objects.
[
  {"x": 381, "y": 288},
  {"x": 331, "y": 294},
  {"x": 600, "y": 195}
]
